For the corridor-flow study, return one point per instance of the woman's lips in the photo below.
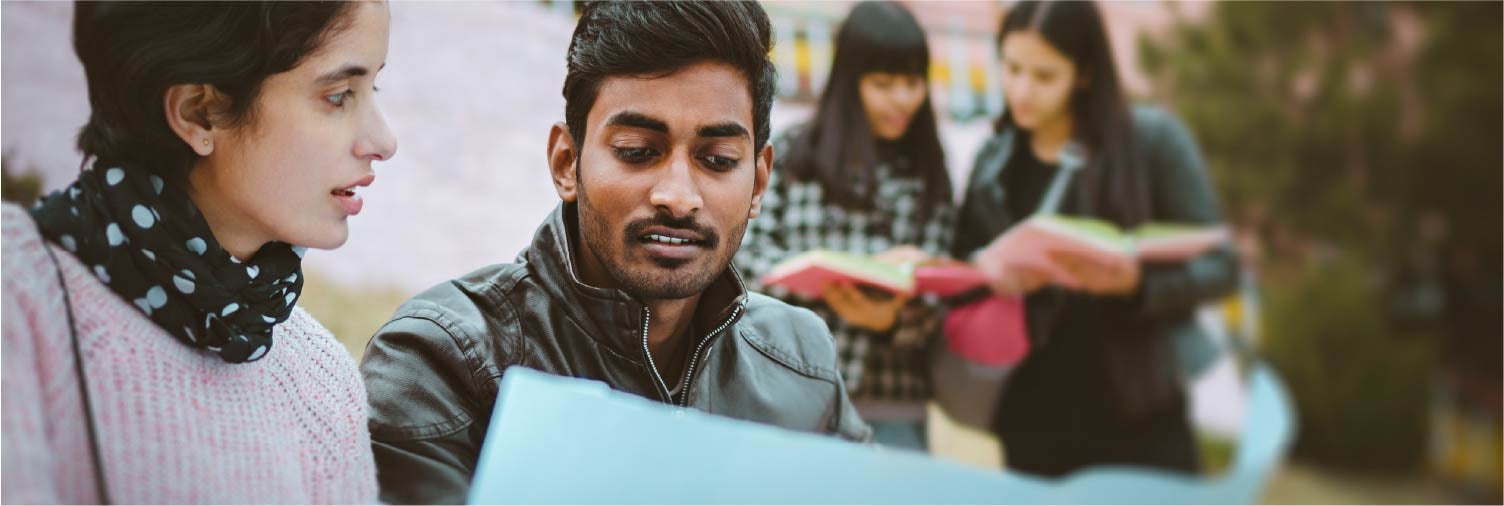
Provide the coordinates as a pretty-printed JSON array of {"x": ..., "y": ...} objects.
[{"x": 349, "y": 201}]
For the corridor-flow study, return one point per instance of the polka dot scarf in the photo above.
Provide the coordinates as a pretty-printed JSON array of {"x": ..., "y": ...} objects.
[{"x": 146, "y": 240}]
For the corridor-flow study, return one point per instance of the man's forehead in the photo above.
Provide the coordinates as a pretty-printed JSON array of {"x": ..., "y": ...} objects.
[{"x": 692, "y": 98}]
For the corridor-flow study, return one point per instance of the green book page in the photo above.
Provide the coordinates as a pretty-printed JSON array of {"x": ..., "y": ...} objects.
[
  {"x": 1165, "y": 240},
  {"x": 863, "y": 267},
  {"x": 1162, "y": 230},
  {"x": 1099, "y": 232},
  {"x": 1103, "y": 230}
]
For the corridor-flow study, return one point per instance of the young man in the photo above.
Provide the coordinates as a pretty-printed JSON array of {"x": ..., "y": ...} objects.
[{"x": 661, "y": 161}]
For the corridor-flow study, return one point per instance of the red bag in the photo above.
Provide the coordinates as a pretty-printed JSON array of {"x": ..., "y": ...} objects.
[
  {"x": 991, "y": 332},
  {"x": 984, "y": 340}
]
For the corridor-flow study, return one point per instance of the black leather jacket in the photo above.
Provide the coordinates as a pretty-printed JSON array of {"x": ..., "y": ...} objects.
[{"x": 433, "y": 371}]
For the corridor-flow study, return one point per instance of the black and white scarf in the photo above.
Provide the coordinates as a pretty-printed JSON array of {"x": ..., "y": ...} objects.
[{"x": 144, "y": 238}]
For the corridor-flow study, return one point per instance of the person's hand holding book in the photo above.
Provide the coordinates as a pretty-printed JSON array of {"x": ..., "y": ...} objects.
[
  {"x": 1012, "y": 279},
  {"x": 859, "y": 309},
  {"x": 1114, "y": 277}
]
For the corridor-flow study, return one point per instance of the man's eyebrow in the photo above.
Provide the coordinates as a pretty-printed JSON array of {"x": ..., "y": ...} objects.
[
  {"x": 632, "y": 119},
  {"x": 728, "y": 129}
]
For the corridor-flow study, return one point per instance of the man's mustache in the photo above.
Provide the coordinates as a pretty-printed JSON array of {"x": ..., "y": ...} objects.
[{"x": 708, "y": 236}]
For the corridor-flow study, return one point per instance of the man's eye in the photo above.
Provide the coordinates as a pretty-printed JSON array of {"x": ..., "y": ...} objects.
[
  {"x": 635, "y": 155},
  {"x": 719, "y": 162}
]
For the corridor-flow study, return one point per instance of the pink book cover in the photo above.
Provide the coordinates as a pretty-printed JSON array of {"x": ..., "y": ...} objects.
[
  {"x": 808, "y": 274},
  {"x": 947, "y": 280},
  {"x": 810, "y": 279}
]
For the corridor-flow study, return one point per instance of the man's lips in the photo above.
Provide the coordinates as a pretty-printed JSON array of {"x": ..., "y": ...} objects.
[
  {"x": 669, "y": 235},
  {"x": 663, "y": 242}
]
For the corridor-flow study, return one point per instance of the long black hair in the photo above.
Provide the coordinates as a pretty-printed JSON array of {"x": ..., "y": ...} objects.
[
  {"x": 1115, "y": 187},
  {"x": 837, "y": 148}
]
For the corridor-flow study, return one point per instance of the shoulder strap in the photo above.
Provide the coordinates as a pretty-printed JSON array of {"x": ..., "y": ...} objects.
[{"x": 83, "y": 382}]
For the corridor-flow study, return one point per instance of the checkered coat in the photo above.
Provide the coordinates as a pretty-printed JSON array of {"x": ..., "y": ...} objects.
[{"x": 796, "y": 218}]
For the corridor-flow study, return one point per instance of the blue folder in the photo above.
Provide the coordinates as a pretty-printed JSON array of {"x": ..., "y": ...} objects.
[{"x": 557, "y": 440}]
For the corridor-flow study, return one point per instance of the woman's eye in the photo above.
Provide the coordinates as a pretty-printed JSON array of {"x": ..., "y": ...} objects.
[
  {"x": 338, "y": 99},
  {"x": 635, "y": 155}
]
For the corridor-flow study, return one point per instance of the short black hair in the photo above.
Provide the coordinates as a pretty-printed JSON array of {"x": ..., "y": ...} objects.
[
  {"x": 132, "y": 52},
  {"x": 616, "y": 38}
]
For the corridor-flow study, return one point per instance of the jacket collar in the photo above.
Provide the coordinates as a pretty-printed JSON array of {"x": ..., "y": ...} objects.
[
  {"x": 998, "y": 152},
  {"x": 610, "y": 316},
  {"x": 995, "y": 158}
]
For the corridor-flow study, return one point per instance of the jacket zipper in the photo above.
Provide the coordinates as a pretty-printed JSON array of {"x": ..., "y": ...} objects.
[
  {"x": 647, "y": 315},
  {"x": 689, "y": 374}
]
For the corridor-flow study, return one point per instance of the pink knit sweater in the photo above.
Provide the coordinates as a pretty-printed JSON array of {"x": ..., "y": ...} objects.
[{"x": 176, "y": 424}]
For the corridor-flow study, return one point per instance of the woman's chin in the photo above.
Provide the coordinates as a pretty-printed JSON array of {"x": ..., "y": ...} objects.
[{"x": 326, "y": 236}]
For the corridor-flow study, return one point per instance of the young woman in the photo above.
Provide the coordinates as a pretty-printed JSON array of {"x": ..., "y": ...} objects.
[
  {"x": 152, "y": 350},
  {"x": 1100, "y": 385},
  {"x": 866, "y": 175}
]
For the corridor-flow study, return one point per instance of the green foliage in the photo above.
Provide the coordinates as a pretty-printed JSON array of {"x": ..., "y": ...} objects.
[
  {"x": 20, "y": 188},
  {"x": 1361, "y": 391},
  {"x": 1345, "y": 120},
  {"x": 1338, "y": 126},
  {"x": 1216, "y": 453}
]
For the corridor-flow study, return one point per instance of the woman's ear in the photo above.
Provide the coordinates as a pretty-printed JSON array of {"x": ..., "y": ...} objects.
[
  {"x": 562, "y": 156},
  {"x": 190, "y": 109}
]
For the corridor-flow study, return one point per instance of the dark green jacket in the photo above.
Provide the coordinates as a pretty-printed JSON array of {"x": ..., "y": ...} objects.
[{"x": 1160, "y": 317}]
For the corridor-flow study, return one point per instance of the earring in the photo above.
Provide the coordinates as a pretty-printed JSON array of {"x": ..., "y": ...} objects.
[{"x": 206, "y": 142}]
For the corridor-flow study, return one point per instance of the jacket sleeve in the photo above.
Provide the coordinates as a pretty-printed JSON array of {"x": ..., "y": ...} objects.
[
  {"x": 425, "y": 432},
  {"x": 849, "y": 424},
  {"x": 1182, "y": 192}
]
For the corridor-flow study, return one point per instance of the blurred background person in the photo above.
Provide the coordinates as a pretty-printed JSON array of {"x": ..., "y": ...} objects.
[
  {"x": 153, "y": 351},
  {"x": 1100, "y": 385},
  {"x": 866, "y": 175}
]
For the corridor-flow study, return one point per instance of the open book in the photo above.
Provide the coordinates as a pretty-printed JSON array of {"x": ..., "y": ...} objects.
[
  {"x": 1032, "y": 242},
  {"x": 807, "y": 274}
]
